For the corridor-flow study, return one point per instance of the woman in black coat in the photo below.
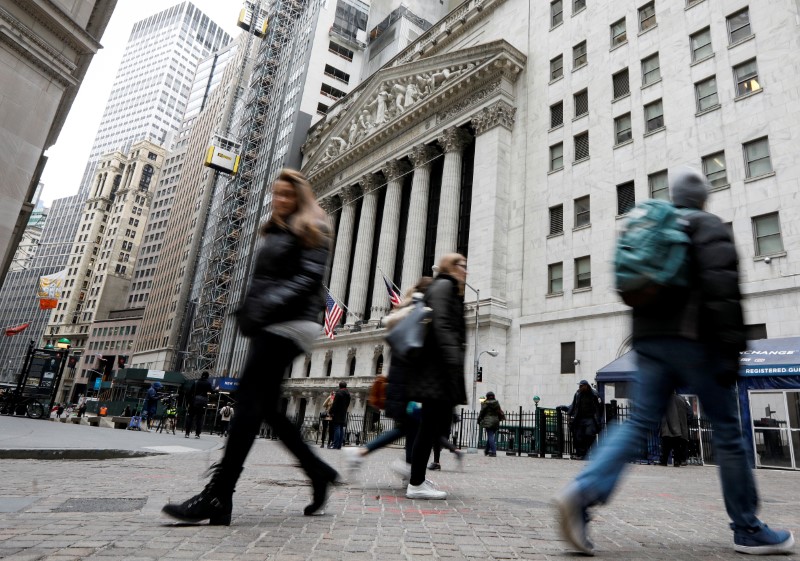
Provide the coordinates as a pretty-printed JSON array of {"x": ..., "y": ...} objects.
[
  {"x": 281, "y": 314},
  {"x": 439, "y": 383}
]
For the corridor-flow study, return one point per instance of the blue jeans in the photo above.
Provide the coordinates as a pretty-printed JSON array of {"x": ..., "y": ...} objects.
[
  {"x": 666, "y": 363},
  {"x": 491, "y": 443},
  {"x": 338, "y": 435}
]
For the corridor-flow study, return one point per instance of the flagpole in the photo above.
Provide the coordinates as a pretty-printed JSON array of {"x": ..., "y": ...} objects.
[{"x": 397, "y": 288}]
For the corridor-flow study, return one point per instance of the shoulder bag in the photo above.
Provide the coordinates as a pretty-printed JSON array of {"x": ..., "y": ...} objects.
[{"x": 407, "y": 338}]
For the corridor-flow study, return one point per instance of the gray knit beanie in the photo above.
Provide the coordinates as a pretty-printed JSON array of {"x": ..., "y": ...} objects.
[{"x": 688, "y": 188}]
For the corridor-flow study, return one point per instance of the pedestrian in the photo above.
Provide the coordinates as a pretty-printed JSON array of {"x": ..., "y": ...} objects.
[
  {"x": 675, "y": 431},
  {"x": 689, "y": 337},
  {"x": 341, "y": 401},
  {"x": 397, "y": 406},
  {"x": 489, "y": 418},
  {"x": 225, "y": 415},
  {"x": 82, "y": 409},
  {"x": 325, "y": 421},
  {"x": 198, "y": 401},
  {"x": 151, "y": 404},
  {"x": 281, "y": 315},
  {"x": 585, "y": 414},
  {"x": 59, "y": 410},
  {"x": 127, "y": 411},
  {"x": 438, "y": 381}
]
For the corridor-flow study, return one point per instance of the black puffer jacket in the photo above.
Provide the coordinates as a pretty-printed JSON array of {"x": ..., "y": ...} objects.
[
  {"x": 441, "y": 375},
  {"x": 286, "y": 284},
  {"x": 710, "y": 309}
]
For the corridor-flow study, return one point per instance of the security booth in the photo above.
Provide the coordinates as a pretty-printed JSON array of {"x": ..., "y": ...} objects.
[
  {"x": 769, "y": 401},
  {"x": 768, "y": 391},
  {"x": 129, "y": 387}
]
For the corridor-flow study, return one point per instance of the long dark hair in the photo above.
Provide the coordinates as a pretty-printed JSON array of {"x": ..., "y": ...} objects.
[{"x": 308, "y": 222}]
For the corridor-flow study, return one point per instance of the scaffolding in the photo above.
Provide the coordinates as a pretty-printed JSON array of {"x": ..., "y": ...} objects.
[{"x": 218, "y": 281}]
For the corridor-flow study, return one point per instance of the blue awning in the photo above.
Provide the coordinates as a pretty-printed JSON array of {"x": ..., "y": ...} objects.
[{"x": 763, "y": 357}]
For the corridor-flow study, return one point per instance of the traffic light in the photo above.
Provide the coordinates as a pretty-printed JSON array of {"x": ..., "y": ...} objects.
[
  {"x": 72, "y": 362},
  {"x": 121, "y": 360},
  {"x": 479, "y": 378}
]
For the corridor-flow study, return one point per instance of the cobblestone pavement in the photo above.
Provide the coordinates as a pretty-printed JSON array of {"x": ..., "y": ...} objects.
[{"x": 498, "y": 508}]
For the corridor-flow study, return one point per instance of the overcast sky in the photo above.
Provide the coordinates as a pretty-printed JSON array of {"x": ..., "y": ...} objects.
[{"x": 67, "y": 157}]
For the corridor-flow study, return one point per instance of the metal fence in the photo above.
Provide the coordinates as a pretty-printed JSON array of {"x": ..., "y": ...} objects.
[{"x": 539, "y": 433}]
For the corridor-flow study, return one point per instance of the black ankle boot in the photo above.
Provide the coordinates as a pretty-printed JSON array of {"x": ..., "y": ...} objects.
[
  {"x": 214, "y": 503},
  {"x": 320, "y": 483}
]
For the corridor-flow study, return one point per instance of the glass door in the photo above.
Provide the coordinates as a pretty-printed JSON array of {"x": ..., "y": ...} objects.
[{"x": 776, "y": 430}]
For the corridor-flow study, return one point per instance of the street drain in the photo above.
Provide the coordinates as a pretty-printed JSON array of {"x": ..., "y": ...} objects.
[{"x": 102, "y": 505}]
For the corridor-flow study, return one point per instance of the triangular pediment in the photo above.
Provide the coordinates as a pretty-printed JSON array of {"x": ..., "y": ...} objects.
[{"x": 399, "y": 96}]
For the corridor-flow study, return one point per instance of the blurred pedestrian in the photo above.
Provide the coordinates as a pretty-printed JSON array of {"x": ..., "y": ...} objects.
[
  {"x": 341, "y": 402},
  {"x": 438, "y": 383},
  {"x": 225, "y": 415},
  {"x": 489, "y": 418},
  {"x": 281, "y": 315},
  {"x": 675, "y": 431},
  {"x": 151, "y": 404},
  {"x": 127, "y": 411},
  {"x": 325, "y": 421},
  {"x": 198, "y": 401},
  {"x": 689, "y": 337},
  {"x": 585, "y": 416}
]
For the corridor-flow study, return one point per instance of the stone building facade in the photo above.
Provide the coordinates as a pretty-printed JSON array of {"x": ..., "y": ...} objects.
[{"x": 521, "y": 133}]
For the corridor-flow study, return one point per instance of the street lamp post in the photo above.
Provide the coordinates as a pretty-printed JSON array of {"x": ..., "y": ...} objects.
[{"x": 491, "y": 353}]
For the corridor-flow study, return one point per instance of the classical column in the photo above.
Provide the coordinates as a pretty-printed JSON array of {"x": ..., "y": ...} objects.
[
  {"x": 489, "y": 244},
  {"x": 330, "y": 205},
  {"x": 341, "y": 257},
  {"x": 387, "y": 245},
  {"x": 359, "y": 281},
  {"x": 417, "y": 224},
  {"x": 453, "y": 141}
]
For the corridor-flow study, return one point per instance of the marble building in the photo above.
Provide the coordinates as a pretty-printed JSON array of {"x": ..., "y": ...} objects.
[{"x": 476, "y": 138}]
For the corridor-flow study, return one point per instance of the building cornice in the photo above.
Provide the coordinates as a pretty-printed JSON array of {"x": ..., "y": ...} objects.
[{"x": 58, "y": 22}]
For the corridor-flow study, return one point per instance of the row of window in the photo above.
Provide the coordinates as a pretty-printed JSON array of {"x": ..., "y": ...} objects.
[{"x": 111, "y": 345}]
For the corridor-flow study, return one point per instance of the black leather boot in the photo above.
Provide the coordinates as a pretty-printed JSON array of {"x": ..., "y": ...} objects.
[
  {"x": 320, "y": 483},
  {"x": 214, "y": 503}
]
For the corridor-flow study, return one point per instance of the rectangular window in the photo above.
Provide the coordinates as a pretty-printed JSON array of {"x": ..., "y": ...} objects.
[
  {"x": 581, "y": 100},
  {"x": 583, "y": 272},
  {"x": 341, "y": 51},
  {"x": 659, "y": 187},
  {"x": 556, "y": 220},
  {"x": 715, "y": 170},
  {"x": 582, "y": 211},
  {"x": 622, "y": 85},
  {"x": 556, "y": 67},
  {"x": 701, "y": 44},
  {"x": 568, "y": 358},
  {"x": 322, "y": 109},
  {"x": 337, "y": 74},
  {"x": 556, "y": 13},
  {"x": 619, "y": 33},
  {"x": 626, "y": 198},
  {"x": 557, "y": 156},
  {"x": 746, "y": 77},
  {"x": 755, "y": 331},
  {"x": 579, "y": 55},
  {"x": 556, "y": 114},
  {"x": 767, "y": 234},
  {"x": 651, "y": 70},
  {"x": 739, "y": 26},
  {"x": 706, "y": 94},
  {"x": 653, "y": 116},
  {"x": 581, "y": 146},
  {"x": 647, "y": 16},
  {"x": 578, "y": 5},
  {"x": 555, "y": 278},
  {"x": 330, "y": 91},
  {"x": 622, "y": 128},
  {"x": 756, "y": 157}
]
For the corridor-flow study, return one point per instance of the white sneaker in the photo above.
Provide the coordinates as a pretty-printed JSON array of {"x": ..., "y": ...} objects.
[
  {"x": 354, "y": 459},
  {"x": 424, "y": 491},
  {"x": 401, "y": 468}
]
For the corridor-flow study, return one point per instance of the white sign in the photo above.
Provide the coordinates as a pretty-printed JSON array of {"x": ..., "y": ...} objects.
[{"x": 156, "y": 374}]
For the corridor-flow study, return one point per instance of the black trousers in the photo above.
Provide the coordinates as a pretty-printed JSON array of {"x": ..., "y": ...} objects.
[
  {"x": 585, "y": 431},
  {"x": 195, "y": 416},
  {"x": 434, "y": 425},
  {"x": 676, "y": 445},
  {"x": 258, "y": 399},
  {"x": 324, "y": 431}
]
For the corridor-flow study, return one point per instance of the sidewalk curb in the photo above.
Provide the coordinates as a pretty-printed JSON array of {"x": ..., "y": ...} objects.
[{"x": 75, "y": 454}]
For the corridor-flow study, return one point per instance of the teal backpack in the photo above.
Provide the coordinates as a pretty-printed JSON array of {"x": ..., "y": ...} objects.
[{"x": 652, "y": 252}]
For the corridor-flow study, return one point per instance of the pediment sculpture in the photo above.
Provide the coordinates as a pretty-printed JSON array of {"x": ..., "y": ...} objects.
[{"x": 392, "y": 98}]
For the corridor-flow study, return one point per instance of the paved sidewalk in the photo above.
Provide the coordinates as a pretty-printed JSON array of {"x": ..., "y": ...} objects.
[{"x": 499, "y": 508}]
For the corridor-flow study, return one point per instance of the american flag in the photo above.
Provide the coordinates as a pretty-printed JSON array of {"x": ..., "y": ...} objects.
[
  {"x": 333, "y": 313},
  {"x": 394, "y": 298}
]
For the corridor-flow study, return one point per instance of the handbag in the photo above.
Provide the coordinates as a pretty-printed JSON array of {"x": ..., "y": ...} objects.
[
  {"x": 407, "y": 338},
  {"x": 377, "y": 393}
]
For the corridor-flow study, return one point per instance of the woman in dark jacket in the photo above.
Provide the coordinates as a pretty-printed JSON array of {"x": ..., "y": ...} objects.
[
  {"x": 489, "y": 418},
  {"x": 281, "y": 314},
  {"x": 439, "y": 384}
]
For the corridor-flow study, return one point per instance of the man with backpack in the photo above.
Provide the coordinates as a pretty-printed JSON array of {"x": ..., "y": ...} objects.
[
  {"x": 225, "y": 415},
  {"x": 688, "y": 330}
]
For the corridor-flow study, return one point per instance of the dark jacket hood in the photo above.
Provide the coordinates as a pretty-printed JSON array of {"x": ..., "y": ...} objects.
[{"x": 688, "y": 188}]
